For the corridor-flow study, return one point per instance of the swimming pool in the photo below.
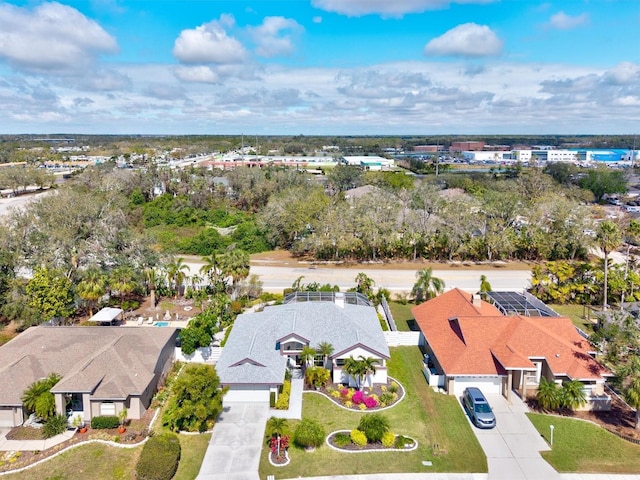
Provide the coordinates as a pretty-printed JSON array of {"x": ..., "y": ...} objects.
[{"x": 162, "y": 324}]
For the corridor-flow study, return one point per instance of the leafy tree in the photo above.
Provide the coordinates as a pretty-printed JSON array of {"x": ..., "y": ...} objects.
[
  {"x": 307, "y": 355},
  {"x": 345, "y": 177},
  {"x": 604, "y": 181},
  {"x": 325, "y": 349},
  {"x": 364, "y": 284},
  {"x": 485, "y": 286},
  {"x": 374, "y": 426},
  {"x": 37, "y": 398},
  {"x": 608, "y": 237},
  {"x": 309, "y": 434},
  {"x": 92, "y": 287},
  {"x": 50, "y": 293},
  {"x": 629, "y": 373},
  {"x": 427, "y": 286},
  {"x": 196, "y": 399}
]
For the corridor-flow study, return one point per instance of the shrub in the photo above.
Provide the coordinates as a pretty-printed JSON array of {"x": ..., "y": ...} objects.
[
  {"x": 358, "y": 397},
  {"x": 159, "y": 458},
  {"x": 386, "y": 398},
  {"x": 374, "y": 426},
  {"x": 342, "y": 439},
  {"x": 272, "y": 399},
  {"x": 388, "y": 440},
  {"x": 336, "y": 394},
  {"x": 401, "y": 441},
  {"x": 358, "y": 438},
  {"x": 54, "y": 426},
  {"x": 348, "y": 404},
  {"x": 371, "y": 402},
  {"x": 309, "y": 433},
  {"x": 283, "y": 399},
  {"x": 362, "y": 407},
  {"x": 394, "y": 387},
  {"x": 105, "y": 422}
]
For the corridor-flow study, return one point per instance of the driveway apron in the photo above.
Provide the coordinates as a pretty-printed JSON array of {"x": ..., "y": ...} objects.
[
  {"x": 234, "y": 449},
  {"x": 512, "y": 447}
]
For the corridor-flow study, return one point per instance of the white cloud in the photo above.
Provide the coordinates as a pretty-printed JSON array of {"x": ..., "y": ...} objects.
[
  {"x": 468, "y": 40},
  {"x": 51, "y": 38},
  {"x": 209, "y": 43},
  {"x": 199, "y": 73},
  {"x": 317, "y": 19},
  {"x": 562, "y": 21},
  {"x": 385, "y": 8},
  {"x": 275, "y": 36}
]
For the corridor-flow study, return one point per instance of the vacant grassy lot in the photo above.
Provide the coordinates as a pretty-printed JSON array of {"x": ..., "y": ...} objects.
[
  {"x": 577, "y": 315},
  {"x": 580, "y": 446},
  {"x": 94, "y": 461},
  {"x": 435, "y": 420},
  {"x": 403, "y": 316}
]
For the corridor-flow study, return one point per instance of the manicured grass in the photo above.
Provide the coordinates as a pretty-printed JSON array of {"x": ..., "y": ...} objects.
[
  {"x": 434, "y": 419},
  {"x": 577, "y": 315},
  {"x": 193, "y": 448},
  {"x": 580, "y": 446},
  {"x": 402, "y": 315},
  {"x": 97, "y": 462}
]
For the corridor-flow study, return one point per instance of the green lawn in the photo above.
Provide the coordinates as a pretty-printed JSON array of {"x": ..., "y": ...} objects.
[
  {"x": 94, "y": 461},
  {"x": 577, "y": 315},
  {"x": 431, "y": 418},
  {"x": 193, "y": 448},
  {"x": 402, "y": 315},
  {"x": 580, "y": 446}
]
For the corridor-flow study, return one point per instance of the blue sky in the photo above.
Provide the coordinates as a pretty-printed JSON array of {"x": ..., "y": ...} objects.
[{"x": 335, "y": 67}]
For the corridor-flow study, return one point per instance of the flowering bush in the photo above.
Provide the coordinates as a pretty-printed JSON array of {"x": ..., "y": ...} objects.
[
  {"x": 358, "y": 397},
  {"x": 336, "y": 394},
  {"x": 284, "y": 444},
  {"x": 344, "y": 392},
  {"x": 388, "y": 440},
  {"x": 370, "y": 402},
  {"x": 358, "y": 437},
  {"x": 348, "y": 403},
  {"x": 362, "y": 406}
]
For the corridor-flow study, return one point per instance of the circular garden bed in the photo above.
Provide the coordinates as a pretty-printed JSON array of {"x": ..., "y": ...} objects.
[
  {"x": 376, "y": 398},
  {"x": 342, "y": 440}
]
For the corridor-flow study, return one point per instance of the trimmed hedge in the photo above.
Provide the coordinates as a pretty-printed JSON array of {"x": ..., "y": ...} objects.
[
  {"x": 105, "y": 422},
  {"x": 159, "y": 458},
  {"x": 283, "y": 400}
]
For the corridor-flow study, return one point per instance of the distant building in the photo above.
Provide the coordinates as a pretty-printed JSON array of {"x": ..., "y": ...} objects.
[
  {"x": 428, "y": 148},
  {"x": 466, "y": 146},
  {"x": 370, "y": 162}
]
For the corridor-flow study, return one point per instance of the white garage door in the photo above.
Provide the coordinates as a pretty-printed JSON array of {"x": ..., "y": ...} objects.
[
  {"x": 487, "y": 385},
  {"x": 248, "y": 393}
]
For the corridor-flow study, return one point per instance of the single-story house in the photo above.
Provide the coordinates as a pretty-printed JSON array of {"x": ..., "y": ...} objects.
[
  {"x": 470, "y": 342},
  {"x": 103, "y": 369},
  {"x": 263, "y": 345}
]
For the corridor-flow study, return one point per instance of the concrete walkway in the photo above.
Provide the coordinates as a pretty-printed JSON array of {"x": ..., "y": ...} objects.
[
  {"x": 295, "y": 402},
  {"x": 513, "y": 447},
  {"x": 32, "y": 445},
  {"x": 234, "y": 449}
]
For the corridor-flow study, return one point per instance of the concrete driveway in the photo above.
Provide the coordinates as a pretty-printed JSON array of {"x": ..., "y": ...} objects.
[
  {"x": 234, "y": 449},
  {"x": 512, "y": 447}
]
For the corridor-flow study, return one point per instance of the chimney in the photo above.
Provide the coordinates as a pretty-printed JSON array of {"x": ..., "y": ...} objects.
[
  {"x": 476, "y": 300},
  {"x": 339, "y": 299}
]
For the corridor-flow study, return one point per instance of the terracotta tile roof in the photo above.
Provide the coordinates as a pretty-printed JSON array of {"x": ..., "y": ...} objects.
[{"x": 470, "y": 339}]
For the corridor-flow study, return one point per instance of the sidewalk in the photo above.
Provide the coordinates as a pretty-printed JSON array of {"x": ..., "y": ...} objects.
[
  {"x": 295, "y": 402},
  {"x": 32, "y": 445}
]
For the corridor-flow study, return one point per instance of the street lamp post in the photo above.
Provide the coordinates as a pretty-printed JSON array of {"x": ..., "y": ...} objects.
[{"x": 551, "y": 427}]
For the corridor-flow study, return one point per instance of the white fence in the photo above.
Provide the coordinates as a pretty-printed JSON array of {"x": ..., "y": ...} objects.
[
  {"x": 201, "y": 355},
  {"x": 397, "y": 339}
]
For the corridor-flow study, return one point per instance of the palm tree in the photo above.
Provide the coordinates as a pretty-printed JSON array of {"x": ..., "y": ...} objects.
[
  {"x": 632, "y": 234},
  {"x": 548, "y": 395},
  {"x": 176, "y": 269},
  {"x": 234, "y": 263},
  {"x": 573, "y": 395},
  {"x": 277, "y": 426},
  {"x": 364, "y": 284},
  {"x": 608, "y": 238},
  {"x": 325, "y": 349},
  {"x": 123, "y": 281},
  {"x": 427, "y": 285},
  {"x": 150, "y": 276},
  {"x": 307, "y": 355},
  {"x": 211, "y": 268},
  {"x": 630, "y": 373},
  {"x": 485, "y": 286},
  {"x": 368, "y": 365},
  {"x": 354, "y": 368},
  {"x": 92, "y": 287},
  {"x": 38, "y": 398}
]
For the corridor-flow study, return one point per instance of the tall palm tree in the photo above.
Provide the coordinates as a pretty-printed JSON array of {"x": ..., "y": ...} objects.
[
  {"x": 92, "y": 286},
  {"x": 176, "y": 269},
  {"x": 123, "y": 281},
  {"x": 364, "y": 284},
  {"x": 354, "y": 368},
  {"x": 211, "y": 268},
  {"x": 325, "y": 349},
  {"x": 608, "y": 238},
  {"x": 235, "y": 265},
  {"x": 485, "y": 286},
  {"x": 427, "y": 286},
  {"x": 150, "y": 277},
  {"x": 632, "y": 234},
  {"x": 368, "y": 365},
  {"x": 307, "y": 355}
]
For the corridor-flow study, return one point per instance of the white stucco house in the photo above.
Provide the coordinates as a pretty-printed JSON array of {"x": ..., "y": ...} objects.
[{"x": 263, "y": 345}]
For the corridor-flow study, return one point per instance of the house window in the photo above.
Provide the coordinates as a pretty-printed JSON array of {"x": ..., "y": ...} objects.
[
  {"x": 107, "y": 408},
  {"x": 319, "y": 360},
  {"x": 340, "y": 362}
]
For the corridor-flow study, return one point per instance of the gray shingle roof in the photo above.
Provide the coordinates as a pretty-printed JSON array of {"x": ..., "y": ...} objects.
[
  {"x": 250, "y": 355},
  {"x": 109, "y": 362}
]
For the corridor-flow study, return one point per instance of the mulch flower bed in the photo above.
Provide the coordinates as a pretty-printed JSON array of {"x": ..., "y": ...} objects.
[
  {"x": 368, "y": 399},
  {"x": 620, "y": 419},
  {"x": 369, "y": 447}
]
